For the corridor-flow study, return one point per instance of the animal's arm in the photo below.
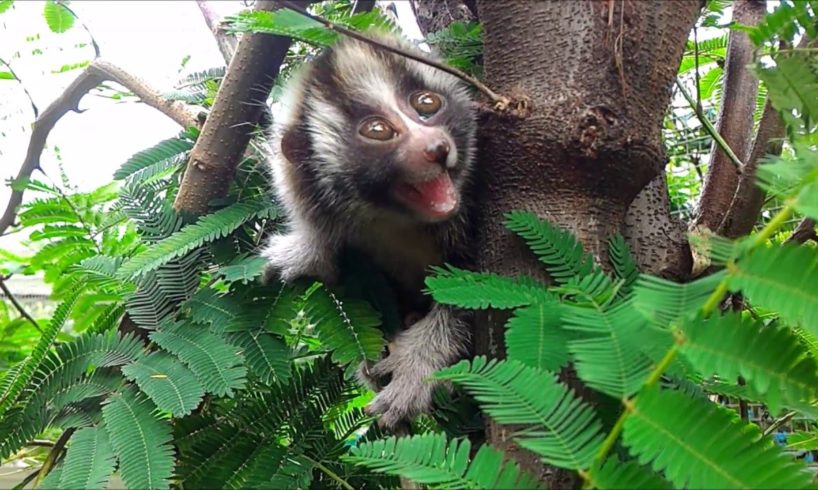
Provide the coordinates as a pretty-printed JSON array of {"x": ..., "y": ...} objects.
[{"x": 306, "y": 251}]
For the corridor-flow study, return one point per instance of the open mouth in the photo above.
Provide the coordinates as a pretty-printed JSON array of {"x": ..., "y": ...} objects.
[{"x": 435, "y": 199}]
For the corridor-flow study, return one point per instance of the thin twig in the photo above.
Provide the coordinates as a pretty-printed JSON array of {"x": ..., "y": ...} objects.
[
  {"x": 779, "y": 422},
  {"x": 17, "y": 306},
  {"x": 711, "y": 130},
  {"x": 53, "y": 456},
  {"x": 40, "y": 443},
  {"x": 28, "y": 94},
  {"x": 498, "y": 100},
  {"x": 696, "y": 73}
]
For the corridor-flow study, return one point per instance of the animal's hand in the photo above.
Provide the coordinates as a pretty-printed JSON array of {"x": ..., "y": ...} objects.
[{"x": 293, "y": 256}]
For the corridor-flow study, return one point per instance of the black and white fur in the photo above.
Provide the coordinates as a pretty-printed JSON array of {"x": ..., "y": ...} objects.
[{"x": 334, "y": 188}]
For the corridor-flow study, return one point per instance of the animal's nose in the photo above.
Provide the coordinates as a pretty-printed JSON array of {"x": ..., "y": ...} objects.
[{"x": 437, "y": 152}]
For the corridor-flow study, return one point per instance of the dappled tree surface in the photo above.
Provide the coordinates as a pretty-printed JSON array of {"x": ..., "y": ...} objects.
[{"x": 645, "y": 269}]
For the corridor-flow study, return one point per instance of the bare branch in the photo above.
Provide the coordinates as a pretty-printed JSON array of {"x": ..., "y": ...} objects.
[
  {"x": 803, "y": 232},
  {"x": 735, "y": 123},
  {"x": 227, "y": 42},
  {"x": 96, "y": 73},
  {"x": 236, "y": 111},
  {"x": 25, "y": 90},
  {"x": 17, "y": 306}
]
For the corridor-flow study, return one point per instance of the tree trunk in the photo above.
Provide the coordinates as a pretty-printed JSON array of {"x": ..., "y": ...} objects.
[{"x": 598, "y": 78}]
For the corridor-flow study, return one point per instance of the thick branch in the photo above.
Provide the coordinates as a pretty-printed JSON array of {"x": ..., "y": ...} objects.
[
  {"x": 735, "y": 122},
  {"x": 233, "y": 119},
  {"x": 803, "y": 232},
  {"x": 227, "y": 42},
  {"x": 435, "y": 15},
  {"x": 96, "y": 73}
]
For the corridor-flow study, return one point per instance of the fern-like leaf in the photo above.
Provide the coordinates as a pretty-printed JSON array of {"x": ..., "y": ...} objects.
[
  {"x": 348, "y": 327},
  {"x": 89, "y": 461},
  {"x": 140, "y": 439},
  {"x": 558, "y": 249},
  {"x": 615, "y": 474},
  {"x": 608, "y": 352},
  {"x": 208, "y": 228},
  {"x": 623, "y": 263},
  {"x": 267, "y": 356},
  {"x": 565, "y": 431},
  {"x": 167, "y": 382},
  {"x": 432, "y": 460},
  {"x": 14, "y": 386},
  {"x": 700, "y": 445},
  {"x": 535, "y": 337},
  {"x": 782, "y": 278},
  {"x": 477, "y": 290},
  {"x": 165, "y": 150},
  {"x": 216, "y": 364},
  {"x": 666, "y": 302},
  {"x": 772, "y": 360}
]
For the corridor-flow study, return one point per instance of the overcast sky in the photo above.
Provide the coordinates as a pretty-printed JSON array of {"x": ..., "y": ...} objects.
[{"x": 148, "y": 38}]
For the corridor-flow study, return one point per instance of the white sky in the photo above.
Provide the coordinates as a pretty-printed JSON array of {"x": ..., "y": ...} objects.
[{"x": 148, "y": 38}]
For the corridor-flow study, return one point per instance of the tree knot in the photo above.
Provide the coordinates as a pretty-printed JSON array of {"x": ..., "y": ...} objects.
[{"x": 594, "y": 129}]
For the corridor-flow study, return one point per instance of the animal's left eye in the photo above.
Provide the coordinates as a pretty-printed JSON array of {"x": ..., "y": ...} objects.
[{"x": 425, "y": 103}]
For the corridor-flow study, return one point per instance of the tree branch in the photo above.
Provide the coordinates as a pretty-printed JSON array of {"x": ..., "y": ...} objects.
[
  {"x": 227, "y": 42},
  {"x": 500, "y": 102},
  {"x": 236, "y": 111},
  {"x": 97, "y": 72},
  {"x": 735, "y": 123},
  {"x": 803, "y": 232},
  {"x": 17, "y": 305},
  {"x": 749, "y": 198}
]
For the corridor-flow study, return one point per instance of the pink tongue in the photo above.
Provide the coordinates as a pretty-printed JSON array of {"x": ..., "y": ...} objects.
[{"x": 437, "y": 194}]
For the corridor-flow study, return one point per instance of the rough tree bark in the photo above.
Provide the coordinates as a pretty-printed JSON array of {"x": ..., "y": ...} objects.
[
  {"x": 237, "y": 109},
  {"x": 735, "y": 123},
  {"x": 598, "y": 75}
]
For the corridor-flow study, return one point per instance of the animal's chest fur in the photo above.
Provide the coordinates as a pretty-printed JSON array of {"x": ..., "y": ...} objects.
[{"x": 404, "y": 252}]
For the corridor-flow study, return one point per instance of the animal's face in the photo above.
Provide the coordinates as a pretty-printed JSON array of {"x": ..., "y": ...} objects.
[{"x": 389, "y": 131}]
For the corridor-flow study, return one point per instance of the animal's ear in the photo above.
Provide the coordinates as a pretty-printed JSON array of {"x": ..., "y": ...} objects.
[{"x": 295, "y": 145}]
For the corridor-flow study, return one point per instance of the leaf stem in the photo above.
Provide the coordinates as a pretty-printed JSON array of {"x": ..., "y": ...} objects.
[
  {"x": 330, "y": 473},
  {"x": 711, "y": 130},
  {"x": 773, "y": 225}
]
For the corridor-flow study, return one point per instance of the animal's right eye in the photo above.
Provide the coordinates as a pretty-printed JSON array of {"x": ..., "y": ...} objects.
[{"x": 376, "y": 128}]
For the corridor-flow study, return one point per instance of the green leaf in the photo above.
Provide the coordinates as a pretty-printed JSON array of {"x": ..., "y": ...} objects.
[
  {"x": 348, "y": 327},
  {"x": 13, "y": 386},
  {"x": 167, "y": 382},
  {"x": 623, "y": 263},
  {"x": 558, "y": 249},
  {"x": 565, "y": 431},
  {"x": 267, "y": 356},
  {"x": 781, "y": 278},
  {"x": 432, "y": 460},
  {"x": 89, "y": 461},
  {"x": 666, "y": 302},
  {"x": 615, "y": 474},
  {"x": 216, "y": 364},
  {"x": 6, "y": 75},
  {"x": 792, "y": 86},
  {"x": 58, "y": 17},
  {"x": 207, "y": 229},
  {"x": 609, "y": 353},
  {"x": 5, "y": 5},
  {"x": 169, "y": 150},
  {"x": 700, "y": 445},
  {"x": 535, "y": 337},
  {"x": 141, "y": 440},
  {"x": 802, "y": 441},
  {"x": 475, "y": 290},
  {"x": 772, "y": 360},
  {"x": 243, "y": 269}
]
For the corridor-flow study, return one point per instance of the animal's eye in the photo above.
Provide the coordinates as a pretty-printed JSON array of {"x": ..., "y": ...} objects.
[
  {"x": 377, "y": 128},
  {"x": 426, "y": 103}
]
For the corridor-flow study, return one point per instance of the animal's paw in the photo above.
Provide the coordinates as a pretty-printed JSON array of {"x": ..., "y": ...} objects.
[
  {"x": 409, "y": 392},
  {"x": 289, "y": 258}
]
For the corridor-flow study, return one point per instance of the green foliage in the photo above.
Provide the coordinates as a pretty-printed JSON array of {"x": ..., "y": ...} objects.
[
  {"x": 58, "y": 17},
  {"x": 89, "y": 461},
  {"x": 564, "y": 430},
  {"x": 167, "y": 153},
  {"x": 167, "y": 382},
  {"x": 431, "y": 459},
  {"x": 679, "y": 434},
  {"x": 140, "y": 439}
]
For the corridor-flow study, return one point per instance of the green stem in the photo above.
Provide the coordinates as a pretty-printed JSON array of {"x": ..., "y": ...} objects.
[
  {"x": 773, "y": 225},
  {"x": 330, "y": 473},
  {"x": 711, "y": 130}
]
